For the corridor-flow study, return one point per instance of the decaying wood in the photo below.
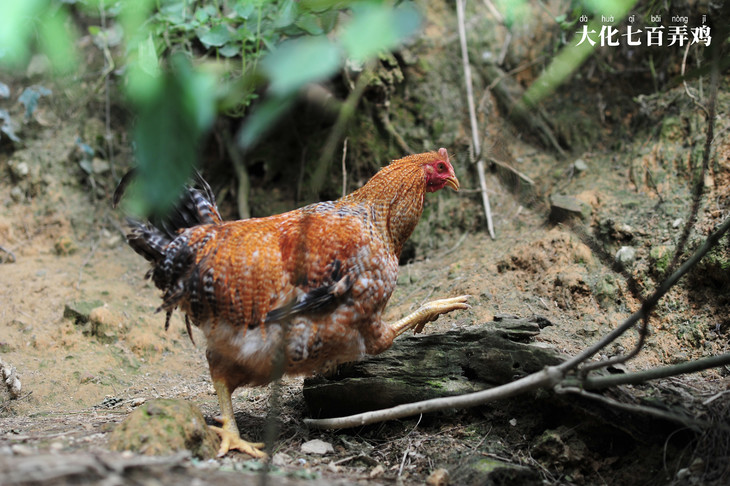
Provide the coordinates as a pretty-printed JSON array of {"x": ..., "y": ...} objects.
[{"x": 431, "y": 366}]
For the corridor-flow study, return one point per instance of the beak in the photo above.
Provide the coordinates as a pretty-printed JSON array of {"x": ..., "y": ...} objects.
[{"x": 453, "y": 183}]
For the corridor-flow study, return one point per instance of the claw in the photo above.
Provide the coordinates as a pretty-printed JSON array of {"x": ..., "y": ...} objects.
[
  {"x": 232, "y": 441},
  {"x": 430, "y": 312}
]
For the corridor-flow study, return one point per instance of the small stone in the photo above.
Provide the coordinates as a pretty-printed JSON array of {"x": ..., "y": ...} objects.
[
  {"x": 17, "y": 194},
  {"x": 676, "y": 223},
  {"x": 80, "y": 310},
  {"x": 377, "y": 471},
  {"x": 22, "y": 450},
  {"x": 99, "y": 166},
  {"x": 318, "y": 447},
  {"x": 563, "y": 208},
  {"x": 439, "y": 477},
  {"x": 20, "y": 169},
  {"x": 626, "y": 255},
  {"x": 38, "y": 65},
  {"x": 513, "y": 422},
  {"x": 580, "y": 165},
  {"x": 137, "y": 402},
  {"x": 281, "y": 459}
]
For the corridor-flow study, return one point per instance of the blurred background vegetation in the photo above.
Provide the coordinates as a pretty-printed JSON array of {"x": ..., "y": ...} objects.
[{"x": 263, "y": 94}]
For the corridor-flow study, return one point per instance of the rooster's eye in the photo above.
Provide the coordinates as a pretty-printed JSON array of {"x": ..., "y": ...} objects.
[{"x": 441, "y": 167}]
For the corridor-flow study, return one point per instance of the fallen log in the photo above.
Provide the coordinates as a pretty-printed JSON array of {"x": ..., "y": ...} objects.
[{"x": 431, "y": 366}]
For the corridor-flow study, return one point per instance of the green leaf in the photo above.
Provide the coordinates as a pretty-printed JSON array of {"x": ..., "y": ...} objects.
[
  {"x": 167, "y": 134},
  {"x": 262, "y": 119},
  {"x": 376, "y": 28},
  {"x": 143, "y": 77},
  {"x": 309, "y": 24},
  {"x": 287, "y": 14},
  {"x": 230, "y": 50},
  {"x": 58, "y": 42},
  {"x": 216, "y": 37},
  {"x": 17, "y": 22},
  {"x": 301, "y": 61},
  {"x": 319, "y": 6},
  {"x": 243, "y": 9}
]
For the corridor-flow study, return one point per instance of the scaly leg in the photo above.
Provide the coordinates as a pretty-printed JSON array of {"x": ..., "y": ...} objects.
[
  {"x": 427, "y": 313},
  {"x": 228, "y": 431}
]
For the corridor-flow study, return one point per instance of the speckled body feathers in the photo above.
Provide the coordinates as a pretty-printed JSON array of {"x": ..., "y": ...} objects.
[{"x": 308, "y": 286}]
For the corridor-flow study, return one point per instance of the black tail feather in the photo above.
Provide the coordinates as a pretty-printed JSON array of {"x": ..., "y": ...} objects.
[{"x": 151, "y": 239}]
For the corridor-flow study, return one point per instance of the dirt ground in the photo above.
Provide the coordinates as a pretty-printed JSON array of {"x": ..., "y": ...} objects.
[{"x": 78, "y": 324}]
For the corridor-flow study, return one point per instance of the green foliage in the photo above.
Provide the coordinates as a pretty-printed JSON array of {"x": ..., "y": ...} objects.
[
  {"x": 186, "y": 59},
  {"x": 167, "y": 134}
]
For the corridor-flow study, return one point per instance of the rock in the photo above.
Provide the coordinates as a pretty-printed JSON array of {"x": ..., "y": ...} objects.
[
  {"x": 163, "y": 427},
  {"x": 580, "y": 165},
  {"x": 564, "y": 208},
  {"x": 99, "y": 166},
  {"x": 80, "y": 310},
  {"x": 318, "y": 447},
  {"x": 626, "y": 255},
  {"x": 38, "y": 66},
  {"x": 490, "y": 471},
  {"x": 17, "y": 194}
]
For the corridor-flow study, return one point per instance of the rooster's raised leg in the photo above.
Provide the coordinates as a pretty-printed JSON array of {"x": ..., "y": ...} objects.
[
  {"x": 429, "y": 312},
  {"x": 228, "y": 431}
]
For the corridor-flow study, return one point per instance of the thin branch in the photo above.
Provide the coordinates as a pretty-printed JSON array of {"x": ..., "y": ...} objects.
[
  {"x": 473, "y": 116},
  {"x": 546, "y": 378},
  {"x": 10, "y": 254},
  {"x": 652, "y": 300},
  {"x": 600, "y": 382},
  {"x": 655, "y": 412}
]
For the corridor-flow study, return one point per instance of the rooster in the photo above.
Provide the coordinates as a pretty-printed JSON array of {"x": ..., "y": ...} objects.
[{"x": 295, "y": 293}]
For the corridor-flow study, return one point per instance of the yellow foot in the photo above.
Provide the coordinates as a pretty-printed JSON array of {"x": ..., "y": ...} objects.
[
  {"x": 232, "y": 441},
  {"x": 430, "y": 312}
]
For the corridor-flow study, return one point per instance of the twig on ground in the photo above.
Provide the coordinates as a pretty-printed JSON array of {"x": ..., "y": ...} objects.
[
  {"x": 473, "y": 117},
  {"x": 456, "y": 245},
  {"x": 10, "y": 254}
]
